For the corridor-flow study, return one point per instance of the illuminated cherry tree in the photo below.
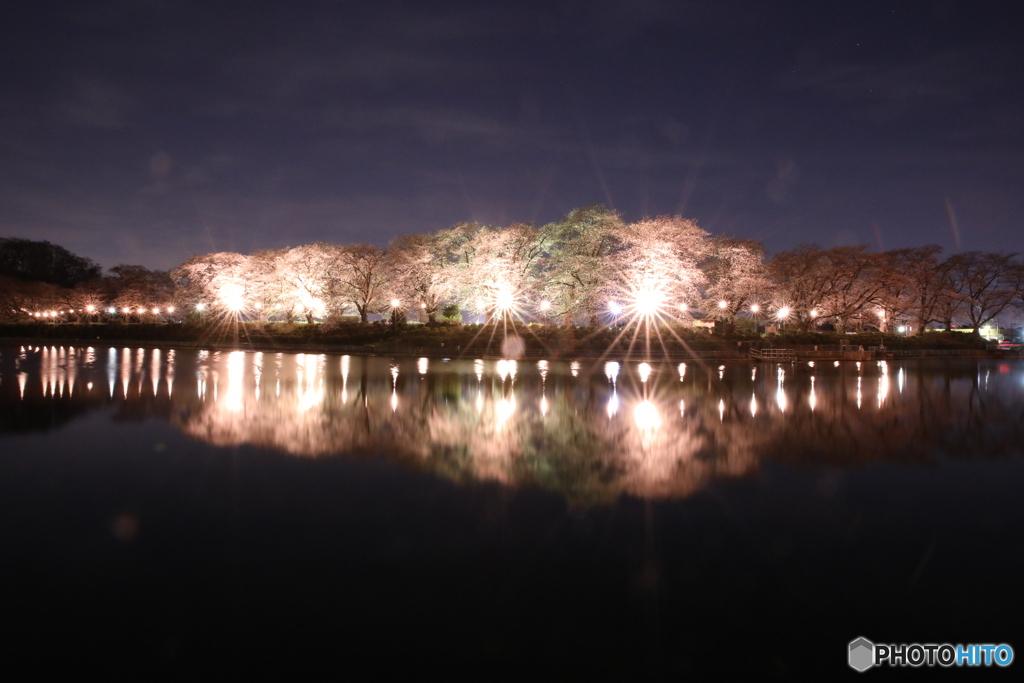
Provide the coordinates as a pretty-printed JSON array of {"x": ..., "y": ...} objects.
[
  {"x": 736, "y": 277},
  {"x": 657, "y": 267},
  {"x": 577, "y": 273},
  {"x": 359, "y": 276},
  {"x": 421, "y": 272},
  {"x": 498, "y": 267},
  {"x": 212, "y": 281}
]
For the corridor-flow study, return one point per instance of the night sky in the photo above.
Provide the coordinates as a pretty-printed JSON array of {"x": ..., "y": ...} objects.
[{"x": 146, "y": 131}]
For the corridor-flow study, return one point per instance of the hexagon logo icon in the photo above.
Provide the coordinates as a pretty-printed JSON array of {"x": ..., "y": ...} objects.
[{"x": 862, "y": 654}]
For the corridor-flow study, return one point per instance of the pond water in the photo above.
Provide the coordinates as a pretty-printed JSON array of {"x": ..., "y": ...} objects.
[{"x": 170, "y": 508}]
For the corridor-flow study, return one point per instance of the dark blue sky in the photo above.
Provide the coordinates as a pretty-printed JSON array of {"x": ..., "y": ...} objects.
[{"x": 145, "y": 131}]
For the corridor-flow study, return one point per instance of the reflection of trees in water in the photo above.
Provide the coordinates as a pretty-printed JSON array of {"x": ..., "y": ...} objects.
[
  {"x": 941, "y": 409},
  {"x": 555, "y": 434},
  {"x": 578, "y": 435},
  {"x": 518, "y": 431},
  {"x": 44, "y": 388}
]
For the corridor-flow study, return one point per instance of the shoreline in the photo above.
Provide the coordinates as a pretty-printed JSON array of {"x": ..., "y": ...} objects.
[{"x": 801, "y": 354}]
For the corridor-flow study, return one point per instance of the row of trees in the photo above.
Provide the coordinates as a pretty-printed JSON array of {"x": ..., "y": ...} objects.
[
  {"x": 37, "y": 277},
  {"x": 578, "y": 269}
]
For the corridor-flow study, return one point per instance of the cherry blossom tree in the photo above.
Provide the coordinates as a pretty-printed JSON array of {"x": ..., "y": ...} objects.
[
  {"x": 421, "y": 272},
  {"x": 736, "y": 277},
  {"x": 498, "y": 270},
  {"x": 658, "y": 262},
  {"x": 983, "y": 284},
  {"x": 359, "y": 276},
  {"x": 214, "y": 280},
  {"x": 577, "y": 274}
]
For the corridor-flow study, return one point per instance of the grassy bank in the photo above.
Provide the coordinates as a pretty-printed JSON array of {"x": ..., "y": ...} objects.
[{"x": 462, "y": 338}]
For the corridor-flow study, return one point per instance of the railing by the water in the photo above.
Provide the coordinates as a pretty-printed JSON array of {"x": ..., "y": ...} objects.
[{"x": 778, "y": 355}]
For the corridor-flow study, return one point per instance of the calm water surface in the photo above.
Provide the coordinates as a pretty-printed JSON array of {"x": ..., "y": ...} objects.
[{"x": 169, "y": 509}]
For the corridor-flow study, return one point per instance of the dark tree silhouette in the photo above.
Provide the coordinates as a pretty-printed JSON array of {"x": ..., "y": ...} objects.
[{"x": 33, "y": 261}]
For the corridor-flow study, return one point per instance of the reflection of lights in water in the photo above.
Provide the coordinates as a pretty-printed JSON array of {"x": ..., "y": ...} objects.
[
  {"x": 721, "y": 372},
  {"x": 883, "y": 382},
  {"x": 780, "y": 394},
  {"x": 394, "y": 400},
  {"x": 721, "y": 410},
  {"x": 682, "y": 371},
  {"x": 646, "y": 416},
  {"x": 900, "y": 380},
  {"x": 345, "y": 360},
  {"x": 422, "y": 365},
  {"x": 394, "y": 374},
  {"x": 858, "y": 366},
  {"x": 88, "y": 386},
  {"x": 780, "y": 398},
  {"x": 170, "y": 373},
  {"x": 140, "y": 358},
  {"x": 753, "y": 405},
  {"x": 503, "y": 370},
  {"x": 478, "y": 368},
  {"x": 504, "y": 408},
  {"x": 611, "y": 370},
  {"x": 574, "y": 368},
  {"x": 126, "y": 369},
  {"x": 23, "y": 378},
  {"x": 682, "y": 408},
  {"x": 753, "y": 374},
  {"x": 72, "y": 371},
  {"x": 813, "y": 399},
  {"x": 154, "y": 369},
  {"x": 543, "y": 405},
  {"x": 233, "y": 396},
  {"x": 613, "y": 404},
  {"x": 542, "y": 365},
  {"x": 257, "y": 372},
  {"x": 645, "y": 371},
  {"x": 310, "y": 391},
  {"x": 479, "y": 402},
  {"x": 858, "y": 393}
]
